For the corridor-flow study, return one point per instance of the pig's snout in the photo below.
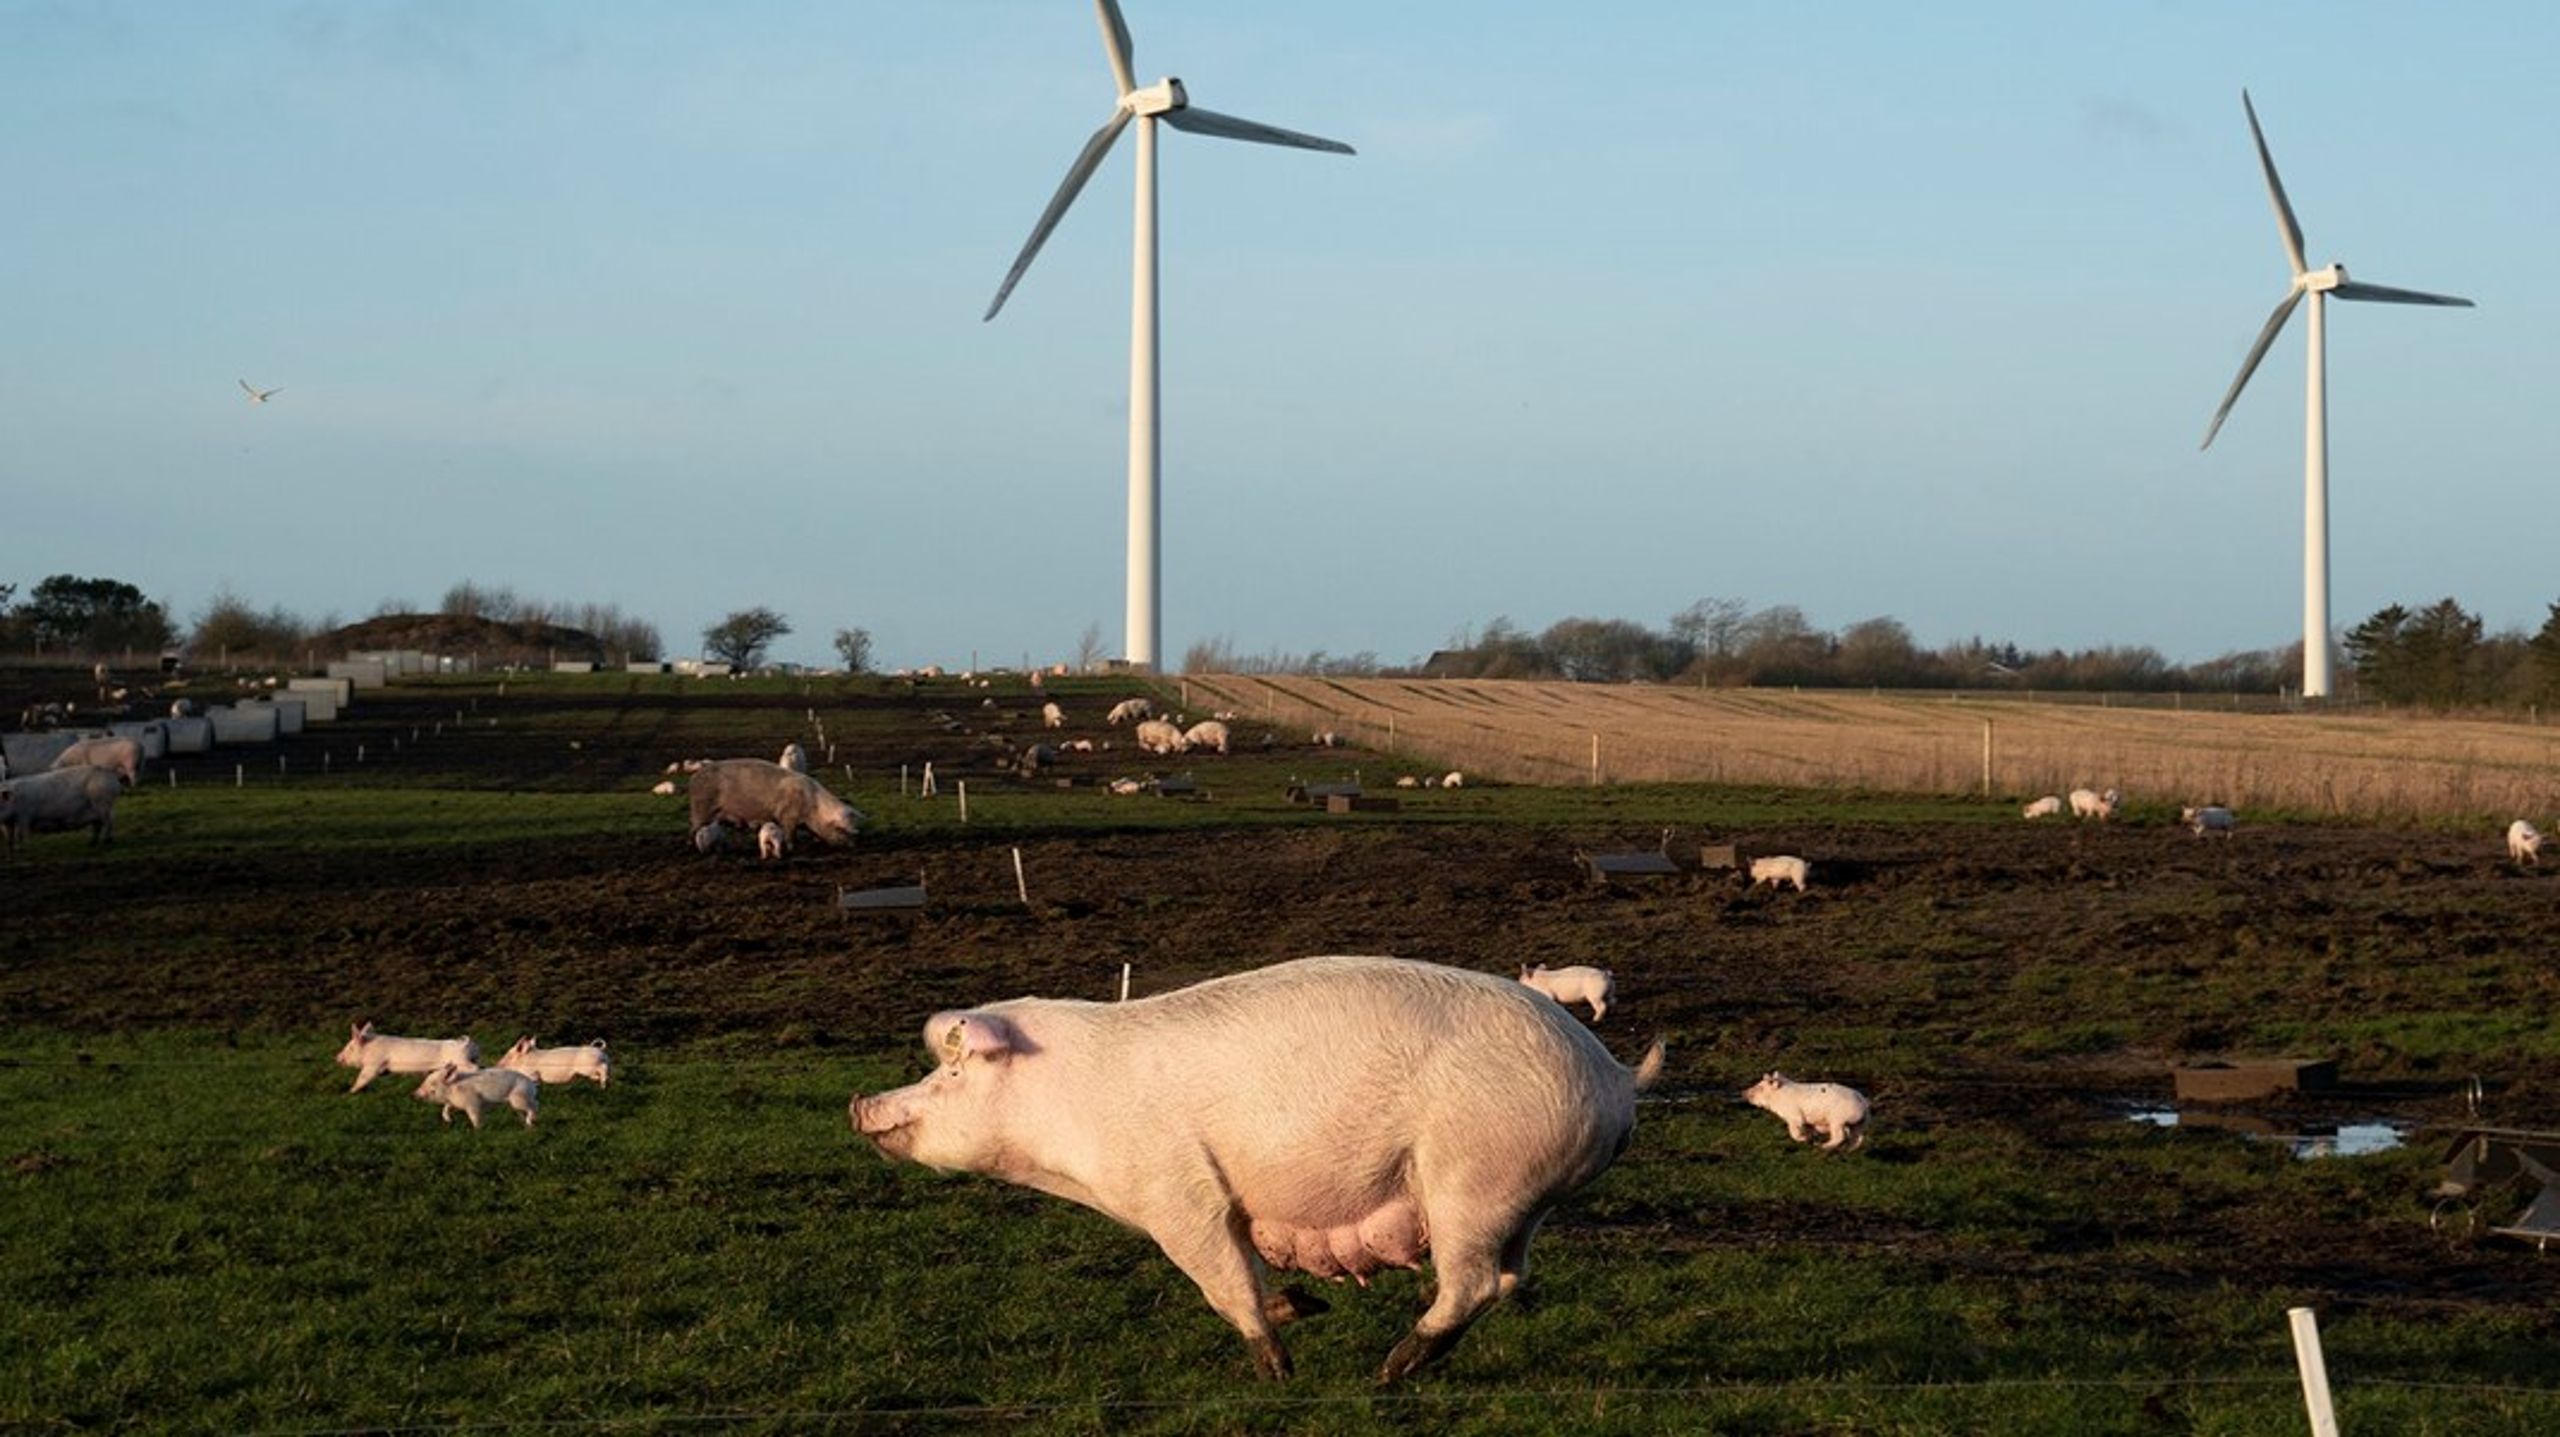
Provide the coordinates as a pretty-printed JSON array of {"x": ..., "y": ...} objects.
[{"x": 877, "y": 1120}]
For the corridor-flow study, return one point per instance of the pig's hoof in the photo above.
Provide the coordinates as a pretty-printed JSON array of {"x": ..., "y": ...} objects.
[
  {"x": 1287, "y": 1305},
  {"x": 1270, "y": 1359},
  {"x": 1417, "y": 1349}
]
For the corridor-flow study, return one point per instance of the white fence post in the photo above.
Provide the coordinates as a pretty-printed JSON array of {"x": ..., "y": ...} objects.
[{"x": 2315, "y": 1371}]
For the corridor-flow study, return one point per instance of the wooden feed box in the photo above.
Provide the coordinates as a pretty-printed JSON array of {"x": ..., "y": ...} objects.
[
  {"x": 2243, "y": 1078},
  {"x": 1354, "y": 803}
]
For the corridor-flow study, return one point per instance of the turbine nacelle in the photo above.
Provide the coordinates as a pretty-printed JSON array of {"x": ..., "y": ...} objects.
[
  {"x": 1156, "y": 99},
  {"x": 2321, "y": 281}
]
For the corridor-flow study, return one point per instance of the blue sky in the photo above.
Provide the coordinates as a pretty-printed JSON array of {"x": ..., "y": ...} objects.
[{"x": 1870, "y": 309}]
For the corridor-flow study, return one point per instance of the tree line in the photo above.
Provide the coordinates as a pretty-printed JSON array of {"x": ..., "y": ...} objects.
[
  {"x": 74, "y": 617},
  {"x": 2440, "y": 658},
  {"x": 1726, "y": 642}
]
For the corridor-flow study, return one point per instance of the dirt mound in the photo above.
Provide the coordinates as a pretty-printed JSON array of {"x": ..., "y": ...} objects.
[{"x": 495, "y": 641}]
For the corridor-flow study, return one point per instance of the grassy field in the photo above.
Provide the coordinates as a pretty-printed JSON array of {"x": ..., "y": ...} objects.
[{"x": 205, "y": 1232}]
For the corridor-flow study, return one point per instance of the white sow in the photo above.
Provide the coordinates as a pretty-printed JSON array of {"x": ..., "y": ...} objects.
[{"x": 1336, "y": 1116}]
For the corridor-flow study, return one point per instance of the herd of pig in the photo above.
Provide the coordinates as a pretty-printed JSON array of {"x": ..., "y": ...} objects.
[
  {"x": 2213, "y": 820},
  {"x": 1335, "y": 1116},
  {"x": 455, "y": 1079}
]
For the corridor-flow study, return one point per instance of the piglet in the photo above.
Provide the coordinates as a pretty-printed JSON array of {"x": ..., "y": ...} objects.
[
  {"x": 769, "y": 841},
  {"x": 1783, "y": 868},
  {"x": 559, "y": 1065},
  {"x": 1836, "y": 1112},
  {"x": 1569, "y": 986},
  {"x": 476, "y": 1091},
  {"x": 373, "y": 1054}
]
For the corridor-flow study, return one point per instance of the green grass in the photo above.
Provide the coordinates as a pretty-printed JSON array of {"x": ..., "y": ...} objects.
[{"x": 210, "y": 1236}]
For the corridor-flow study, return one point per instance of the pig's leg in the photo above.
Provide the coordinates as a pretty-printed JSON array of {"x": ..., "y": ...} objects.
[
  {"x": 1798, "y": 1131},
  {"x": 1217, "y": 1257},
  {"x": 1468, "y": 1268},
  {"x": 1515, "y": 1259},
  {"x": 1839, "y": 1135},
  {"x": 365, "y": 1073},
  {"x": 1286, "y": 1305}
]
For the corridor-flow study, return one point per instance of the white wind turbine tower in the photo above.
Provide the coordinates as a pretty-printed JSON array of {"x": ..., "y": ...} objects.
[
  {"x": 1164, "y": 100},
  {"x": 2321, "y": 285}
]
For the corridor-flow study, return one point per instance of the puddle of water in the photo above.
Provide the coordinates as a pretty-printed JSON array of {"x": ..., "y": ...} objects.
[{"x": 2307, "y": 1140}]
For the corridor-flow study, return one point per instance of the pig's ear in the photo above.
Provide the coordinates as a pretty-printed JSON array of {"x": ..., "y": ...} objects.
[{"x": 956, "y": 1036}]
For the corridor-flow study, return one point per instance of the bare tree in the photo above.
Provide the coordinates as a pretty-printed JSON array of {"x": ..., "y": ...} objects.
[
  {"x": 742, "y": 638},
  {"x": 854, "y": 647},
  {"x": 1089, "y": 649}
]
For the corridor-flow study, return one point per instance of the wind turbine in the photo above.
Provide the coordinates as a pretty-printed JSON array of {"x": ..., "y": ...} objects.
[
  {"x": 1167, "y": 101},
  {"x": 2320, "y": 285}
]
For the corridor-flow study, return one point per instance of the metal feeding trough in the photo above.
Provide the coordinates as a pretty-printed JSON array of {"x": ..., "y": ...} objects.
[
  {"x": 2242, "y": 1079},
  {"x": 2482, "y": 1159},
  {"x": 907, "y": 899}
]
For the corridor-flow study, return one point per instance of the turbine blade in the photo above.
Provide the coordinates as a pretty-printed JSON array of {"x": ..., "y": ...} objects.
[
  {"x": 2292, "y": 231},
  {"x": 1228, "y": 127},
  {"x": 2384, "y": 294},
  {"x": 2249, "y": 366},
  {"x": 1079, "y": 172},
  {"x": 1115, "y": 44}
]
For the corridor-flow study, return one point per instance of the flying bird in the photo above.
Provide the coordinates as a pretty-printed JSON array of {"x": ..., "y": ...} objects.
[{"x": 257, "y": 395}]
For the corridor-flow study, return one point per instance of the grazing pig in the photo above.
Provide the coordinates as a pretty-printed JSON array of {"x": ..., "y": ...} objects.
[
  {"x": 1781, "y": 869},
  {"x": 663, "y": 787},
  {"x": 1569, "y": 986},
  {"x": 2087, "y": 803},
  {"x": 59, "y": 800},
  {"x": 373, "y": 1054},
  {"x": 2045, "y": 807},
  {"x": 1336, "y": 1116},
  {"x": 1157, "y": 736},
  {"x": 476, "y": 1090},
  {"x": 119, "y": 756},
  {"x": 769, "y": 841},
  {"x": 1129, "y": 711},
  {"x": 2524, "y": 843},
  {"x": 1208, "y": 733},
  {"x": 559, "y": 1065},
  {"x": 751, "y": 792},
  {"x": 1838, "y": 1113},
  {"x": 1453, "y": 779},
  {"x": 1051, "y": 716},
  {"x": 794, "y": 758},
  {"x": 2210, "y": 821},
  {"x": 711, "y": 837}
]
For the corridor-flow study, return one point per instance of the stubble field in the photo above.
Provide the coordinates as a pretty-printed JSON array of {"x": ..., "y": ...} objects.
[{"x": 206, "y": 1232}]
